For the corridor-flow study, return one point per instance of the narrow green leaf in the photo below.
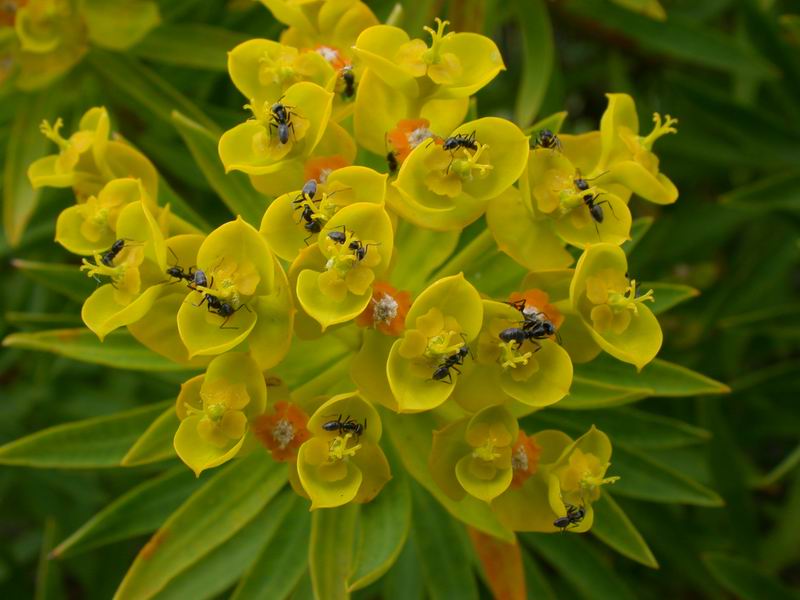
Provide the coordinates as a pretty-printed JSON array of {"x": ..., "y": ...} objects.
[
  {"x": 143, "y": 88},
  {"x": 220, "y": 568},
  {"x": 442, "y": 552},
  {"x": 538, "y": 54},
  {"x": 587, "y": 394},
  {"x": 783, "y": 468},
  {"x": 119, "y": 350},
  {"x": 661, "y": 377},
  {"x": 411, "y": 441},
  {"x": 156, "y": 442},
  {"x": 645, "y": 479},
  {"x": 537, "y": 582},
  {"x": 179, "y": 206},
  {"x": 677, "y": 38},
  {"x": 25, "y": 144},
  {"x": 140, "y": 510},
  {"x": 282, "y": 561},
  {"x": 424, "y": 249},
  {"x": 668, "y": 295},
  {"x": 384, "y": 526},
  {"x": 404, "y": 579},
  {"x": 580, "y": 564},
  {"x": 776, "y": 192},
  {"x": 177, "y": 44},
  {"x": 613, "y": 527},
  {"x": 639, "y": 229},
  {"x": 64, "y": 279},
  {"x": 225, "y": 504},
  {"x": 89, "y": 444},
  {"x": 48, "y": 578},
  {"x": 234, "y": 188},
  {"x": 330, "y": 552},
  {"x": 744, "y": 580},
  {"x": 22, "y": 319},
  {"x": 626, "y": 425}
]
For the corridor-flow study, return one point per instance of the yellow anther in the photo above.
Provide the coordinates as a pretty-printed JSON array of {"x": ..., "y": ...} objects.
[
  {"x": 463, "y": 167},
  {"x": 338, "y": 449},
  {"x": 486, "y": 451},
  {"x": 510, "y": 356}
]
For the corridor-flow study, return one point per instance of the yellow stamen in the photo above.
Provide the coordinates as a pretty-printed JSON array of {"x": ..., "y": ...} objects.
[
  {"x": 464, "y": 167},
  {"x": 628, "y": 300},
  {"x": 510, "y": 356},
  {"x": 433, "y": 54},
  {"x": 487, "y": 450},
  {"x": 659, "y": 129},
  {"x": 51, "y": 132},
  {"x": 338, "y": 449}
]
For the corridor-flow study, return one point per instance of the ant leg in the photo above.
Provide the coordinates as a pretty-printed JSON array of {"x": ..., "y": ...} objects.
[
  {"x": 224, "y": 322},
  {"x": 609, "y": 206},
  {"x": 291, "y": 125}
]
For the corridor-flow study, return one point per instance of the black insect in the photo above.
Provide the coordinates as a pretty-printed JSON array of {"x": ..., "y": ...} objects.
[
  {"x": 192, "y": 277},
  {"x": 595, "y": 208},
  {"x": 535, "y": 326},
  {"x": 281, "y": 120},
  {"x": 307, "y": 193},
  {"x": 349, "y": 79},
  {"x": 391, "y": 161},
  {"x": 547, "y": 139},
  {"x": 347, "y": 426},
  {"x": 460, "y": 140},
  {"x": 107, "y": 258},
  {"x": 311, "y": 224},
  {"x": 574, "y": 516},
  {"x": 359, "y": 249},
  {"x": 220, "y": 307},
  {"x": 451, "y": 362}
]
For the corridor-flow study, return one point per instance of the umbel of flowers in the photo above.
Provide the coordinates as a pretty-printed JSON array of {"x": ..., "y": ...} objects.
[{"x": 361, "y": 256}]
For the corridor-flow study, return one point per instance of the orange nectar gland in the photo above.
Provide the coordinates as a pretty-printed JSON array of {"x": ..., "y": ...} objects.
[
  {"x": 320, "y": 167},
  {"x": 387, "y": 309},
  {"x": 524, "y": 459},
  {"x": 332, "y": 55},
  {"x": 282, "y": 432},
  {"x": 409, "y": 134}
]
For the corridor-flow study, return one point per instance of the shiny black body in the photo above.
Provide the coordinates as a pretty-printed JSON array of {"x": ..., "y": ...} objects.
[
  {"x": 575, "y": 514},
  {"x": 107, "y": 258},
  {"x": 281, "y": 120},
  {"x": 346, "y": 426},
  {"x": 460, "y": 140},
  {"x": 451, "y": 362},
  {"x": 547, "y": 139},
  {"x": 391, "y": 161},
  {"x": 349, "y": 79}
]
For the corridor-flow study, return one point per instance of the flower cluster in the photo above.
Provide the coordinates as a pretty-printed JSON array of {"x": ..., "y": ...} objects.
[
  {"x": 352, "y": 270},
  {"x": 41, "y": 40}
]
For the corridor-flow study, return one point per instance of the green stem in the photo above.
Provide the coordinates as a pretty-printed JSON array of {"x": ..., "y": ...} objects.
[{"x": 467, "y": 256}]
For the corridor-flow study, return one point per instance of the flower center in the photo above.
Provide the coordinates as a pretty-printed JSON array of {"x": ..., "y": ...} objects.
[
  {"x": 328, "y": 53},
  {"x": 487, "y": 451},
  {"x": 385, "y": 309},
  {"x": 510, "y": 356},
  {"x": 442, "y": 345},
  {"x": 215, "y": 412},
  {"x": 98, "y": 269},
  {"x": 338, "y": 450},
  {"x": 463, "y": 167},
  {"x": 659, "y": 129},
  {"x": 629, "y": 299},
  {"x": 433, "y": 55},
  {"x": 283, "y": 433}
]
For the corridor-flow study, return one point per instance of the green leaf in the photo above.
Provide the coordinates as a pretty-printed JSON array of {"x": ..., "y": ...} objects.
[
  {"x": 25, "y": 144},
  {"x": 211, "y": 516},
  {"x": 48, "y": 576},
  {"x": 626, "y": 425},
  {"x": 588, "y": 394},
  {"x": 537, "y": 582},
  {"x": 89, "y": 444},
  {"x": 639, "y": 229},
  {"x": 678, "y": 38},
  {"x": 177, "y": 44},
  {"x": 220, "y": 568},
  {"x": 155, "y": 443},
  {"x": 282, "y": 561},
  {"x": 776, "y": 192},
  {"x": 577, "y": 562},
  {"x": 179, "y": 206},
  {"x": 411, "y": 441},
  {"x": 645, "y": 479},
  {"x": 668, "y": 295},
  {"x": 119, "y": 350},
  {"x": 442, "y": 551},
  {"x": 742, "y": 579},
  {"x": 233, "y": 188},
  {"x": 404, "y": 579},
  {"x": 330, "y": 552},
  {"x": 140, "y": 510},
  {"x": 120, "y": 24},
  {"x": 64, "y": 279},
  {"x": 613, "y": 527},
  {"x": 783, "y": 468},
  {"x": 142, "y": 88},
  {"x": 23, "y": 319},
  {"x": 384, "y": 526},
  {"x": 662, "y": 378},
  {"x": 538, "y": 54}
]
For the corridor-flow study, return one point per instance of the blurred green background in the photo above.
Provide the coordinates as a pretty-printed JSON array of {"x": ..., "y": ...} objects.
[{"x": 728, "y": 69}]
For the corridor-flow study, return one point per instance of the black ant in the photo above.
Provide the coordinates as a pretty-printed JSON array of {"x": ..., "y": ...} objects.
[
  {"x": 107, "y": 257},
  {"x": 346, "y": 426},
  {"x": 349, "y": 79},
  {"x": 308, "y": 192},
  {"x": 192, "y": 277},
  {"x": 574, "y": 516},
  {"x": 357, "y": 246},
  {"x": 281, "y": 116},
  {"x": 590, "y": 200},
  {"x": 451, "y": 362},
  {"x": 220, "y": 307},
  {"x": 535, "y": 326},
  {"x": 391, "y": 157},
  {"x": 547, "y": 139},
  {"x": 460, "y": 140}
]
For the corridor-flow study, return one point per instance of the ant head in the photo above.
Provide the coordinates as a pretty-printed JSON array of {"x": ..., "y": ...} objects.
[{"x": 309, "y": 188}]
